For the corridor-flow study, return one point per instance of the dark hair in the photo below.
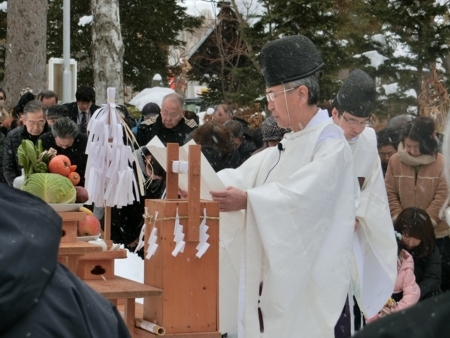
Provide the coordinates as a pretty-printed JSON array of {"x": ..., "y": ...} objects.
[
  {"x": 235, "y": 127},
  {"x": 64, "y": 128},
  {"x": 388, "y": 137},
  {"x": 191, "y": 115},
  {"x": 415, "y": 222},
  {"x": 214, "y": 135},
  {"x": 47, "y": 94},
  {"x": 421, "y": 130},
  {"x": 85, "y": 94},
  {"x": 400, "y": 246}
]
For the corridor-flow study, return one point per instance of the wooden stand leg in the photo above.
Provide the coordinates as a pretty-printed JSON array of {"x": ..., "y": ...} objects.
[
  {"x": 130, "y": 317},
  {"x": 72, "y": 263}
]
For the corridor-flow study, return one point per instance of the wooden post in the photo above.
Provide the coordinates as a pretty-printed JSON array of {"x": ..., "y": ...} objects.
[
  {"x": 171, "y": 177},
  {"x": 192, "y": 233}
]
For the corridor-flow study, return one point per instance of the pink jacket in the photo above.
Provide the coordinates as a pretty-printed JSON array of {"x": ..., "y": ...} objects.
[{"x": 406, "y": 282}]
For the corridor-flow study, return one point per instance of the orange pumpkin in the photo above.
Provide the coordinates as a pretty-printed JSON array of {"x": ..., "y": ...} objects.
[
  {"x": 73, "y": 168},
  {"x": 60, "y": 164},
  {"x": 74, "y": 177}
]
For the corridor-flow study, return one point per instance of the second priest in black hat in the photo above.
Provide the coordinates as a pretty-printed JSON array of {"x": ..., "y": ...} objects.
[
  {"x": 373, "y": 284},
  {"x": 299, "y": 199}
]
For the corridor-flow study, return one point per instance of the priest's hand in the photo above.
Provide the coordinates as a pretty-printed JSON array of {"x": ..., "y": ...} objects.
[{"x": 231, "y": 199}]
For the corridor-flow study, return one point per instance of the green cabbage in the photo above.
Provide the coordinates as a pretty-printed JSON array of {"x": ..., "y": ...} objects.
[{"x": 52, "y": 188}]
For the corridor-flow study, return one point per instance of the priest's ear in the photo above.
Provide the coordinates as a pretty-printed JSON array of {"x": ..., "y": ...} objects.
[{"x": 303, "y": 95}]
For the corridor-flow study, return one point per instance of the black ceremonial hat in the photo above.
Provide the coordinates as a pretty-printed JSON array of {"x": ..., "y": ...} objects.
[
  {"x": 357, "y": 95},
  {"x": 288, "y": 59}
]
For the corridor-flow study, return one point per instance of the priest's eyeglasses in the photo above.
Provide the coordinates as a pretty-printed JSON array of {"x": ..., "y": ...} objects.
[
  {"x": 356, "y": 123},
  {"x": 271, "y": 96}
]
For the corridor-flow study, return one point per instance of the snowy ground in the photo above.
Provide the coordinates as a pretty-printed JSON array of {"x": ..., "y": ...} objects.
[{"x": 133, "y": 268}]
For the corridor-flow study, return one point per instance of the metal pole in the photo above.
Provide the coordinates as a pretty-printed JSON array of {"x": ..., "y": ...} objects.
[{"x": 67, "y": 74}]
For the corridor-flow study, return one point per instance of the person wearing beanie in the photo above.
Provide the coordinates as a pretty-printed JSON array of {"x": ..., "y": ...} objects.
[
  {"x": 151, "y": 109},
  {"x": 40, "y": 297},
  {"x": 83, "y": 108},
  {"x": 56, "y": 112},
  {"x": 272, "y": 134},
  {"x": 298, "y": 200},
  {"x": 375, "y": 243}
]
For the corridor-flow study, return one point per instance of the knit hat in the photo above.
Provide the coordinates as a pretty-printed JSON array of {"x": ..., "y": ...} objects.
[
  {"x": 357, "y": 95},
  {"x": 57, "y": 111},
  {"x": 150, "y": 109},
  {"x": 288, "y": 59},
  {"x": 271, "y": 131},
  {"x": 24, "y": 99}
]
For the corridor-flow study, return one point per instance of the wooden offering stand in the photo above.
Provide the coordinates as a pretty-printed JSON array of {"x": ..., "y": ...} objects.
[
  {"x": 189, "y": 307},
  {"x": 70, "y": 249}
]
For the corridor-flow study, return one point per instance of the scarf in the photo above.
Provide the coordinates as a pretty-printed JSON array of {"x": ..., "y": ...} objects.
[{"x": 414, "y": 161}]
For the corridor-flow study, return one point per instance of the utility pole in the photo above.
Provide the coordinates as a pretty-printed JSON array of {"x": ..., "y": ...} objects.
[{"x": 67, "y": 74}]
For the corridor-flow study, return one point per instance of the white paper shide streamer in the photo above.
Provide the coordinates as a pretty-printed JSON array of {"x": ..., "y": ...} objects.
[
  {"x": 152, "y": 246},
  {"x": 110, "y": 179},
  {"x": 203, "y": 244},
  {"x": 178, "y": 237}
]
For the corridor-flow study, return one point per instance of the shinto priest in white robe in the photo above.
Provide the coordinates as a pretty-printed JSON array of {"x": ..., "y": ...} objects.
[
  {"x": 299, "y": 229},
  {"x": 375, "y": 246}
]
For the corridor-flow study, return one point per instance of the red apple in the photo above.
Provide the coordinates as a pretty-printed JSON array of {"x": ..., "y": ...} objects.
[{"x": 90, "y": 226}]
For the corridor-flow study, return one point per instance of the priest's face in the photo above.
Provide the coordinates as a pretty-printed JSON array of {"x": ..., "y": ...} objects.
[
  {"x": 351, "y": 124},
  {"x": 281, "y": 102}
]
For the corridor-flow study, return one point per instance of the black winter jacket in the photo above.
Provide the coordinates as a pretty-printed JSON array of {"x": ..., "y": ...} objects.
[
  {"x": 11, "y": 167},
  {"x": 428, "y": 273},
  {"x": 39, "y": 297},
  {"x": 154, "y": 127}
]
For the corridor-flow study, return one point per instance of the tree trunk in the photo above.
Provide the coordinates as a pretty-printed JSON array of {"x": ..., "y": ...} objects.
[
  {"x": 26, "y": 48},
  {"x": 108, "y": 49}
]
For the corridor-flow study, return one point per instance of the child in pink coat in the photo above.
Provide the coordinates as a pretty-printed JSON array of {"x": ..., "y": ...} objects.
[{"x": 406, "y": 291}]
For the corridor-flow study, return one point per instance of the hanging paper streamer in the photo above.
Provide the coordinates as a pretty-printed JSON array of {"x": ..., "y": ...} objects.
[
  {"x": 152, "y": 246},
  {"x": 110, "y": 179},
  {"x": 178, "y": 237},
  {"x": 203, "y": 244}
]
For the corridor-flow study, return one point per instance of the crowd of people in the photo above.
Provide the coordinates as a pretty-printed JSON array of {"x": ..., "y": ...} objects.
[{"x": 344, "y": 225}]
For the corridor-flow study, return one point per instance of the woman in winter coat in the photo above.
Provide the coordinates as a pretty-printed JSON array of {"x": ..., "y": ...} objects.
[
  {"x": 418, "y": 239},
  {"x": 406, "y": 291},
  {"x": 217, "y": 146},
  {"x": 415, "y": 178}
]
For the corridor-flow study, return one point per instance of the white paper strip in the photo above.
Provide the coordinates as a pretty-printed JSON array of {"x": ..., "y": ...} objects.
[
  {"x": 110, "y": 179},
  {"x": 178, "y": 236},
  {"x": 203, "y": 244},
  {"x": 152, "y": 246}
]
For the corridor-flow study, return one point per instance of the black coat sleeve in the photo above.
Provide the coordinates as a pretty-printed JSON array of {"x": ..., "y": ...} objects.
[
  {"x": 431, "y": 277},
  {"x": 11, "y": 168}
]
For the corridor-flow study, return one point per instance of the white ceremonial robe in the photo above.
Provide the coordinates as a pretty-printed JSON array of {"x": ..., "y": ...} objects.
[
  {"x": 375, "y": 246},
  {"x": 298, "y": 232}
]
